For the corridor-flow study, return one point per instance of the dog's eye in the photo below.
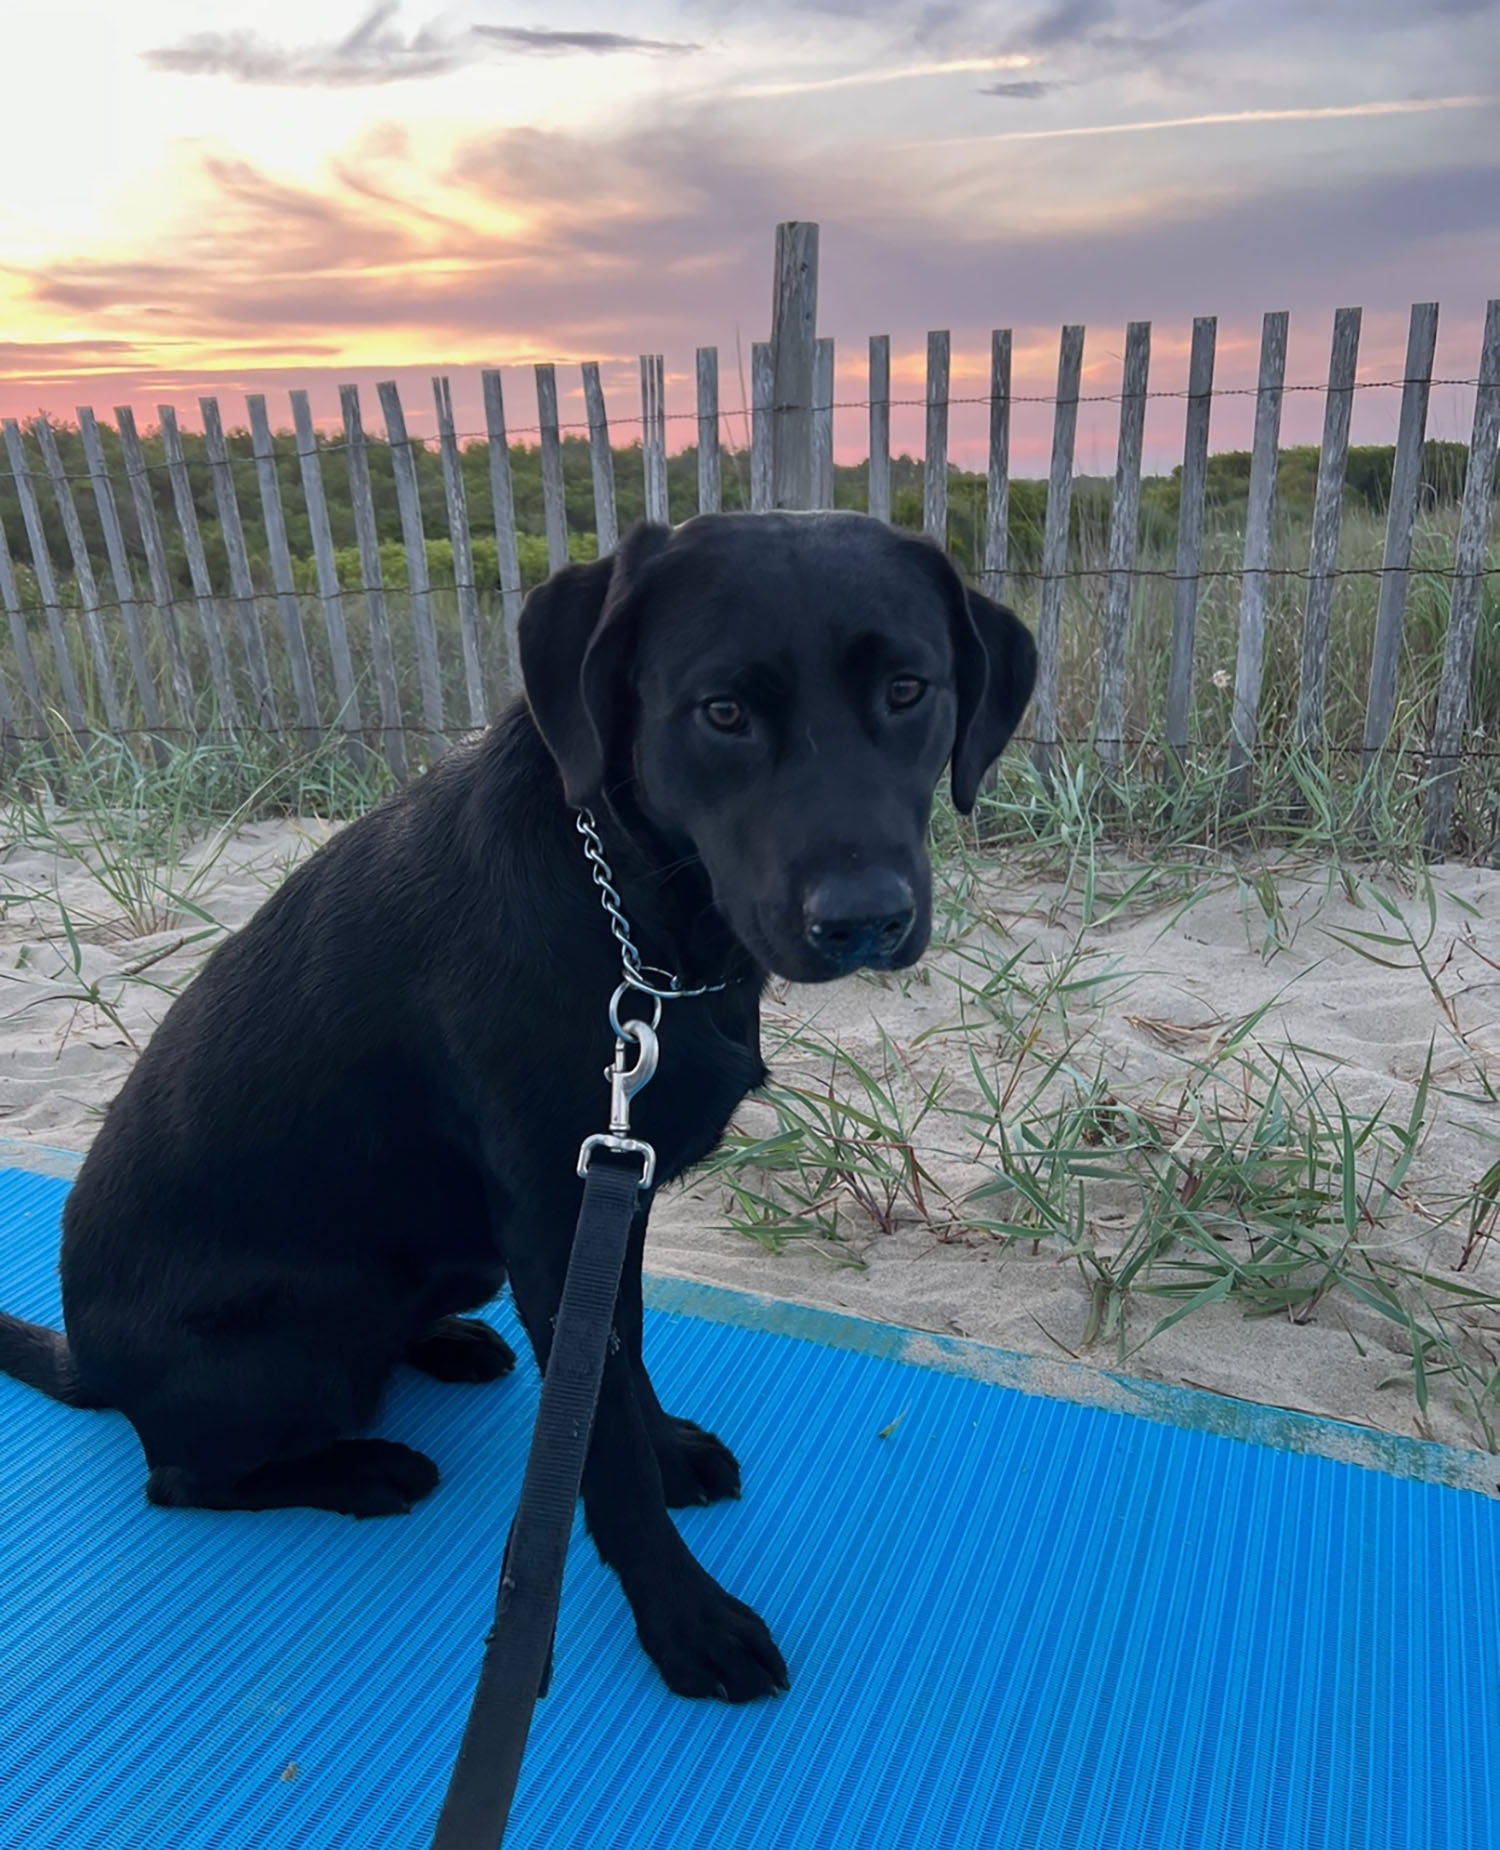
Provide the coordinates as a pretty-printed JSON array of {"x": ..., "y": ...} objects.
[
  {"x": 725, "y": 715},
  {"x": 905, "y": 691}
]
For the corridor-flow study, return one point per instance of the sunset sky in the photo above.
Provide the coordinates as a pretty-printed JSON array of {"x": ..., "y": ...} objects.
[{"x": 205, "y": 196}]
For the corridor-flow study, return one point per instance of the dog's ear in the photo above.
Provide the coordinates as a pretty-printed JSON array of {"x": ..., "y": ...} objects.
[
  {"x": 995, "y": 670},
  {"x": 575, "y": 637}
]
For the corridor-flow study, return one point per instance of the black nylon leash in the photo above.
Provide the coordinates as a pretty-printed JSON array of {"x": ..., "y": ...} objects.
[
  {"x": 517, "y": 1663},
  {"x": 518, "y": 1649}
]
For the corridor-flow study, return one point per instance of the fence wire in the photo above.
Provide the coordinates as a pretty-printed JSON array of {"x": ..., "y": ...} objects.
[{"x": 334, "y": 445}]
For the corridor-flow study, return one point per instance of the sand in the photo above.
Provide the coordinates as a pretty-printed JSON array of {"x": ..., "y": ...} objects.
[{"x": 1185, "y": 966}]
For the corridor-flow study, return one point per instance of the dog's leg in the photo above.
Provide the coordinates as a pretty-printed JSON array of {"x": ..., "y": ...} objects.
[
  {"x": 703, "y": 1640},
  {"x": 229, "y": 1423},
  {"x": 461, "y": 1349},
  {"x": 352, "y": 1477},
  {"x": 696, "y": 1466}
]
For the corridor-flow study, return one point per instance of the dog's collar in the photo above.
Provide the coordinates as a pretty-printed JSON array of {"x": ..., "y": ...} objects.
[{"x": 637, "y": 975}]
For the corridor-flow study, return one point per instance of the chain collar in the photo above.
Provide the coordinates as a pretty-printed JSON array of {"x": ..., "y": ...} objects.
[{"x": 637, "y": 975}]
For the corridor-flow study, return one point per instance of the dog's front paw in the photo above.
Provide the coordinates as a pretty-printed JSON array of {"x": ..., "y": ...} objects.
[
  {"x": 695, "y": 1466},
  {"x": 707, "y": 1643},
  {"x": 461, "y": 1349}
]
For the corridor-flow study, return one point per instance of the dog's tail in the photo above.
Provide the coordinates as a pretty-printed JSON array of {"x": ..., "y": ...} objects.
[{"x": 41, "y": 1358}]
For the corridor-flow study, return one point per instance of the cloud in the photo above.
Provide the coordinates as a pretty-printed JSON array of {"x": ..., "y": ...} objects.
[
  {"x": 936, "y": 15},
  {"x": 376, "y": 53},
  {"x": 535, "y": 39},
  {"x": 1027, "y": 89},
  {"x": 371, "y": 54},
  {"x": 852, "y": 80},
  {"x": 1402, "y": 106},
  {"x": 1063, "y": 22},
  {"x": 1197, "y": 39},
  {"x": 75, "y": 366},
  {"x": 926, "y": 25},
  {"x": 660, "y": 237},
  {"x": 1106, "y": 35}
]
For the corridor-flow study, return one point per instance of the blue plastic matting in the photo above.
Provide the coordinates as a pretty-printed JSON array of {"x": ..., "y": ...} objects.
[{"x": 1012, "y": 1622}]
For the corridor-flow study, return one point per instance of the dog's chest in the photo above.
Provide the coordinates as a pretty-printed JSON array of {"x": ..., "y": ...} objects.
[{"x": 702, "y": 1077}]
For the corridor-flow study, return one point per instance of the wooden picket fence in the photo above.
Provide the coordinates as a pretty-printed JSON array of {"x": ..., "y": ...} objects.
[{"x": 165, "y": 694}]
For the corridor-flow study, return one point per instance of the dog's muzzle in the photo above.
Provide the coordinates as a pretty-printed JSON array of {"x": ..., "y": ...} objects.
[{"x": 859, "y": 919}]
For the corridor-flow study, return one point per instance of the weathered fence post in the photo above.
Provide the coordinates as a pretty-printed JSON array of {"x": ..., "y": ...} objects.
[
  {"x": 242, "y": 589},
  {"x": 601, "y": 461},
  {"x": 762, "y": 386},
  {"x": 464, "y": 587},
  {"x": 1190, "y": 536},
  {"x": 823, "y": 425},
  {"x": 264, "y": 450},
  {"x": 1406, "y": 482},
  {"x": 794, "y": 321},
  {"x": 878, "y": 498},
  {"x": 393, "y": 741},
  {"x": 203, "y": 591},
  {"x": 316, "y": 501},
  {"x": 1055, "y": 546},
  {"x": 1328, "y": 509},
  {"x": 41, "y": 564},
  {"x": 1124, "y": 526},
  {"x": 503, "y": 504},
  {"x": 156, "y": 566},
  {"x": 1468, "y": 578},
  {"x": 554, "y": 508},
  {"x": 935, "y": 459},
  {"x": 83, "y": 574},
  {"x": 654, "y": 436},
  {"x": 1255, "y": 594},
  {"x": 709, "y": 489},
  {"x": 997, "y": 486},
  {"x": 414, "y": 544},
  {"x": 10, "y": 596},
  {"x": 119, "y": 568}
]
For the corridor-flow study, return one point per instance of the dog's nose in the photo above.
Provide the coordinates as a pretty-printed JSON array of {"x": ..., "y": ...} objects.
[{"x": 859, "y": 918}]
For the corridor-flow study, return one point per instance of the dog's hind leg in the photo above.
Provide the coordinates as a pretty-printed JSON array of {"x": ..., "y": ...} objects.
[{"x": 238, "y": 1425}]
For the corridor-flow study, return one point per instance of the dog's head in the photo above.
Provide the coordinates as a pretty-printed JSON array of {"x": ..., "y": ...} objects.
[{"x": 779, "y": 694}]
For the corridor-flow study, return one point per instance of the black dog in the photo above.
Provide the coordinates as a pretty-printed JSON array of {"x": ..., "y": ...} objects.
[{"x": 367, "y": 1109}]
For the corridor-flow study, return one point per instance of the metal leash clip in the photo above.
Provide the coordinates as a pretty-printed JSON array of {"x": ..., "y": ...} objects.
[{"x": 624, "y": 1082}]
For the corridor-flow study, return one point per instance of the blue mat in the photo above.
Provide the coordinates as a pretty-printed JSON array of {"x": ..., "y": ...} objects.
[{"x": 1012, "y": 1622}]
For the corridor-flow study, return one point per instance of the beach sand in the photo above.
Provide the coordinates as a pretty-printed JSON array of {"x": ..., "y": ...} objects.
[{"x": 1157, "y": 989}]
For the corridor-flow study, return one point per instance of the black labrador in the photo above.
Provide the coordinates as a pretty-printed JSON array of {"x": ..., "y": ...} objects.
[{"x": 365, "y": 1112}]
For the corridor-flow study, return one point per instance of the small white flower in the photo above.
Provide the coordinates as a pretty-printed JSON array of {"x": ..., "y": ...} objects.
[{"x": 1221, "y": 677}]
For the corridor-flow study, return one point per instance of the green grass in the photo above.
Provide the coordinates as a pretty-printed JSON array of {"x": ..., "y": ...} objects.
[
  {"x": 149, "y": 833},
  {"x": 1243, "y": 1179}
]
